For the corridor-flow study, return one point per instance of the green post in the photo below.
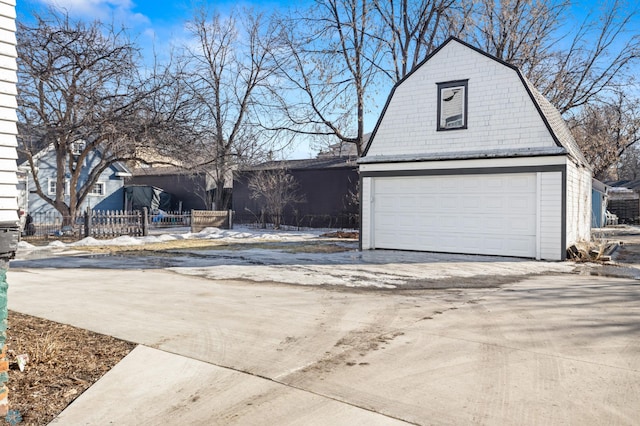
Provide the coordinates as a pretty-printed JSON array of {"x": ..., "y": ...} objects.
[
  {"x": 4, "y": 366},
  {"x": 8, "y": 246}
]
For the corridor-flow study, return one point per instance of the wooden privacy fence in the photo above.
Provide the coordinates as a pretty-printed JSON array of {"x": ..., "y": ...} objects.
[{"x": 201, "y": 219}]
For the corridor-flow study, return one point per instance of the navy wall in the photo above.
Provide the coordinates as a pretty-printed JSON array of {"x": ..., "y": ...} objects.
[{"x": 326, "y": 192}]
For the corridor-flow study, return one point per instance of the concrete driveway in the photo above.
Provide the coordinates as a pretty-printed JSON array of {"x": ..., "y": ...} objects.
[{"x": 544, "y": 349}]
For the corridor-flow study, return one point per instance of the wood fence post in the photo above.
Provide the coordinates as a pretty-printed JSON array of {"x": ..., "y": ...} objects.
[
  {"x": 230, "y": 219},
  {"x": 145, "y": 221}
]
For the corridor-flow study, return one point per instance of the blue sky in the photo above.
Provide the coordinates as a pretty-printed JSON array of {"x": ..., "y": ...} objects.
[
  {"x": 147, "y": 19},
  {"x": 150, "y": 22},
  {"x": 156, "y": 25}
]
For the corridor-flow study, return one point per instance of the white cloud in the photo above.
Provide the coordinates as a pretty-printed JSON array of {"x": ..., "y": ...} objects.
[{"x": 120, "y": 11}]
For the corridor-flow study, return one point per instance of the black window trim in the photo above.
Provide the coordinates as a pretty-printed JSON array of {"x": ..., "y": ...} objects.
[{"x": 446, "y": 85}]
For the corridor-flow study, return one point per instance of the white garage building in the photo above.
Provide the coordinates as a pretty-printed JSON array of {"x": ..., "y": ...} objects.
[{"x": 468, "y": 157}]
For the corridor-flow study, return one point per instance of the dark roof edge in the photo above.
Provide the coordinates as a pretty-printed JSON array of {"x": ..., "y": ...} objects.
[
  {"x": 463, "y": 156},
  {"x": 347, "y": 163}
]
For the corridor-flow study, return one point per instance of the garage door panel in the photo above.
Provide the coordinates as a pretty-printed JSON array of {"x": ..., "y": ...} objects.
[{"x": 484, "y": 214}]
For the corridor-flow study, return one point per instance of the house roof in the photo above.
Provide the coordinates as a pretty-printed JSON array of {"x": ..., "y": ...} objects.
[
  {"x": 554, "y": 122},
  {"x": 467, "y": 155},
  {"x": 120, "y": 168},
  {"x": 160, "y": 171},
  {"x": 599, "y": 186},
  {"x": 307, "y": 164},
  {"x": 343, "y": 149},
  {"x": 625, "y": 183}
]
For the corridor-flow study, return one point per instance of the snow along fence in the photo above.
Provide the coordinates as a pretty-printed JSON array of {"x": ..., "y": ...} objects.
[{"x": 100, "y": 224}]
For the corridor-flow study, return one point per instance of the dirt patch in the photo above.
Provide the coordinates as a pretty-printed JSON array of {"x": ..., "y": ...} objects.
[
  {"x": 185, "y": 247},
  {"x": 352, "y": 235},
  {"x": 63, "y": 362},
  {"x": 165, "y": 245}
]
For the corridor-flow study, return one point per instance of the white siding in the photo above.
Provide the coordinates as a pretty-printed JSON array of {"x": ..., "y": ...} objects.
[
  {"x": 578, "y": 204},
  {"x": 549, "y": 196},
  {"x": 8, "y": 117},
  {"x": 365, "y": 220},
  {"x": 500, "y": 115},
  {"x": 550, "y": 219}
]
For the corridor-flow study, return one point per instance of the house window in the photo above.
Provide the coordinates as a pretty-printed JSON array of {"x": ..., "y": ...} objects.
[
  {"x": 452, "y": 105},
  {"x": 77, "y": 147},
  {"x": 51, "y": 187},
  {"x": 97, "y": 189}
]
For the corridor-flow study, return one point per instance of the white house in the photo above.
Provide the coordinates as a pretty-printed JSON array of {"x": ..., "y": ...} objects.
[
  {"x": 468, "y": 157},
  {"x": 8, "y": 194},
  {"x": 8, "y": 117}
]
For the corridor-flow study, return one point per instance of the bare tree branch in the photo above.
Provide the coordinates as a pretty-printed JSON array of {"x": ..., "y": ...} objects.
[{"x": 83, "y": 83}]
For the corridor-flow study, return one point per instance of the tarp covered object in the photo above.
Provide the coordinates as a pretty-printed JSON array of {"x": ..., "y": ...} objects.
[{"x": 151, "y": 197}]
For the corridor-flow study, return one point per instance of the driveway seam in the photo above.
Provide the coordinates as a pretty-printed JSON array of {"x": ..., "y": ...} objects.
[{"x": 260, "y": 376}]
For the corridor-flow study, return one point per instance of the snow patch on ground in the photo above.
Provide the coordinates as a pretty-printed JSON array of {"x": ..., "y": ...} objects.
[
  {"x": 240, "y": 233},
  {"x": 350, "y": 268},
  {"x": 381, "y": 269}
]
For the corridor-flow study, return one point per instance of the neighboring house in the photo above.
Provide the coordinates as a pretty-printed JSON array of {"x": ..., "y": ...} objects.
[
  {"x": 599, "y": 204},
  {"x": 342, "y": 149},
  {"x": 107, "y": 193},
  {"x": 327, "y": 184},
  {"x": 468, "y": 157},
  {"x": 190, "y": 190},
  {"x": 624, "y": 200}
]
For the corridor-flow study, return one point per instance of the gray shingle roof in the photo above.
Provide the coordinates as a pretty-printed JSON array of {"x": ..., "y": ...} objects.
[
  {"x": 307, "y": 164},
  {"x": 557, "y": 125}
]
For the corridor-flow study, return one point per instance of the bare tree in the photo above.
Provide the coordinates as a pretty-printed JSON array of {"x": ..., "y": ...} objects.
[
  {"x": 228, "y": 65},
  {"x": 410, "y": 30},
  {"x": 328, "y": 64},
  {"x": 571, "y": 69},
  {"x": 80, "y": 94},
  {"x": 629, "y": 165},
  {"x": 277, "y": 190},
  {"x": 339, "y": 53},
  {"x": 606, "y": 131}
]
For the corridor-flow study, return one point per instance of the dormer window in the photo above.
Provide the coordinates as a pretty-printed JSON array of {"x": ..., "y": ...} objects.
[
  {"x": 452, "y": 105},
  {"x": 77, "y": 147}
]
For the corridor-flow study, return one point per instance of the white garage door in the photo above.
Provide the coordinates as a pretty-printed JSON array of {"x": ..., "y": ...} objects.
[{"x": 477, "y": 214}]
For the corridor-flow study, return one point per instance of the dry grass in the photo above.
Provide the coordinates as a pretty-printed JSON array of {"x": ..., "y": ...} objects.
[
  {"x": 316, "y": 246},
  {"x": 63, "y": 362},
  {"x": 166, "y": 245}
]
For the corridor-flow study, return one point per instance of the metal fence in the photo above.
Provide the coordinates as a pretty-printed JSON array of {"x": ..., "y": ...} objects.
[
  {"x": 339, "y": 221},
  {"x": 99, "y": 224}
]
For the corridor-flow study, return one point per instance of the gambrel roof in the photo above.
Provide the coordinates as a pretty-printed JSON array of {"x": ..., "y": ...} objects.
[{"x": 555, "y": 124}]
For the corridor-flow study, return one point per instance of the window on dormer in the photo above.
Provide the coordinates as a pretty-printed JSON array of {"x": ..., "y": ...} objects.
[
  {"x": 452, "y": 105},
  {"x": 77, "y": 147}
]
